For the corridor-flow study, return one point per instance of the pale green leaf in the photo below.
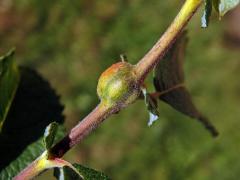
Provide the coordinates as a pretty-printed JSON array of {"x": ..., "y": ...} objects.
[{"x": 223, "y": 6}]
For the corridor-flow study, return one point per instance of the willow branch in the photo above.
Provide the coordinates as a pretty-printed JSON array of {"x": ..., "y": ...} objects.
[{"x": 145, "y": 65}]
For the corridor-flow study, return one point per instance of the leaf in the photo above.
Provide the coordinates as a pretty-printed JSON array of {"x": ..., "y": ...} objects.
[
  {"x": 152, "y": 106},
  {"x": 49, "y": 135},
  {"x": 207, "y": 13},
  {"x": 223, "y": 6},
  {"x": 34, "y": 107},
  {"x": 169, "y": 79},
  {"x": 66, "y": 173},
  {"x": 9, "y": 79},
  {"x": 30, "y": 153}
]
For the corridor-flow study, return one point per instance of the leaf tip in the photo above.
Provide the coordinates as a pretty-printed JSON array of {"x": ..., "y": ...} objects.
[{"x": 209, "y": 126}]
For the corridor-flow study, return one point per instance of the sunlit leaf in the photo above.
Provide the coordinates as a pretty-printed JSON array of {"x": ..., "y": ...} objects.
[
  {"x": 9, "y": 79},
  {"x": 169, "y": 81}
]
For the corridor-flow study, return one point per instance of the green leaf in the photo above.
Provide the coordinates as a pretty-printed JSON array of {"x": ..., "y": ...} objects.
[
  {"x": 34, "y": 107},
  {"x": 66, "y": 173},
  {"x": 207, "y": 13},
  {"x": 223, "y": 6},
  {"x": 169, "y": 82},
  {"x": 9, "y": 79},
  {"x": 49, "y": 135},
  {"x": 152, "y": 106},
  {"x": 30, "y": 153}
]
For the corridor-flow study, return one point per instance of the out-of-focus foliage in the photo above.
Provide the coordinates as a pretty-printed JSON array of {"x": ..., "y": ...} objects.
[{"x": 71, "y": 43}]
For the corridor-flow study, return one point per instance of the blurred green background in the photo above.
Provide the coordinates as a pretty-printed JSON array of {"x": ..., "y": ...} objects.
[{"x": 71, "y": 42}]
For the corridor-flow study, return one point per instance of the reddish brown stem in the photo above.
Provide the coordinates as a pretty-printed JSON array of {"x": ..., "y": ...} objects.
[{"x": 82, "y": 129}]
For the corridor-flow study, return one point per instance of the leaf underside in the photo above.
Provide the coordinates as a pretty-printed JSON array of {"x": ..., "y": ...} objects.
[{"x": 169, "y": 74}]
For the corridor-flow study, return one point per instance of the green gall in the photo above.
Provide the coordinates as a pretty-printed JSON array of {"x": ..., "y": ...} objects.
[{"x": 117, "y": 85}]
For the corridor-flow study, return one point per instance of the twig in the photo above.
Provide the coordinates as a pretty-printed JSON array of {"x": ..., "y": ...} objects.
[
  {"x": 145, "y": 65},
  {"x": 88, "y": 124}
]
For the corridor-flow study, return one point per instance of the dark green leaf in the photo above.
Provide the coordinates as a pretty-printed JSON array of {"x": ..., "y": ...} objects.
[
  {"x": 34, "y": 107},
  {"x": 169, "y": 79},
  {"x": 30, "y": 153},
  {"x": 9, "y": 78},
  {"x": 66, "y": 173},
  {"x": 49, "y": 135},
  {"x": 207, "y": 13}
]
